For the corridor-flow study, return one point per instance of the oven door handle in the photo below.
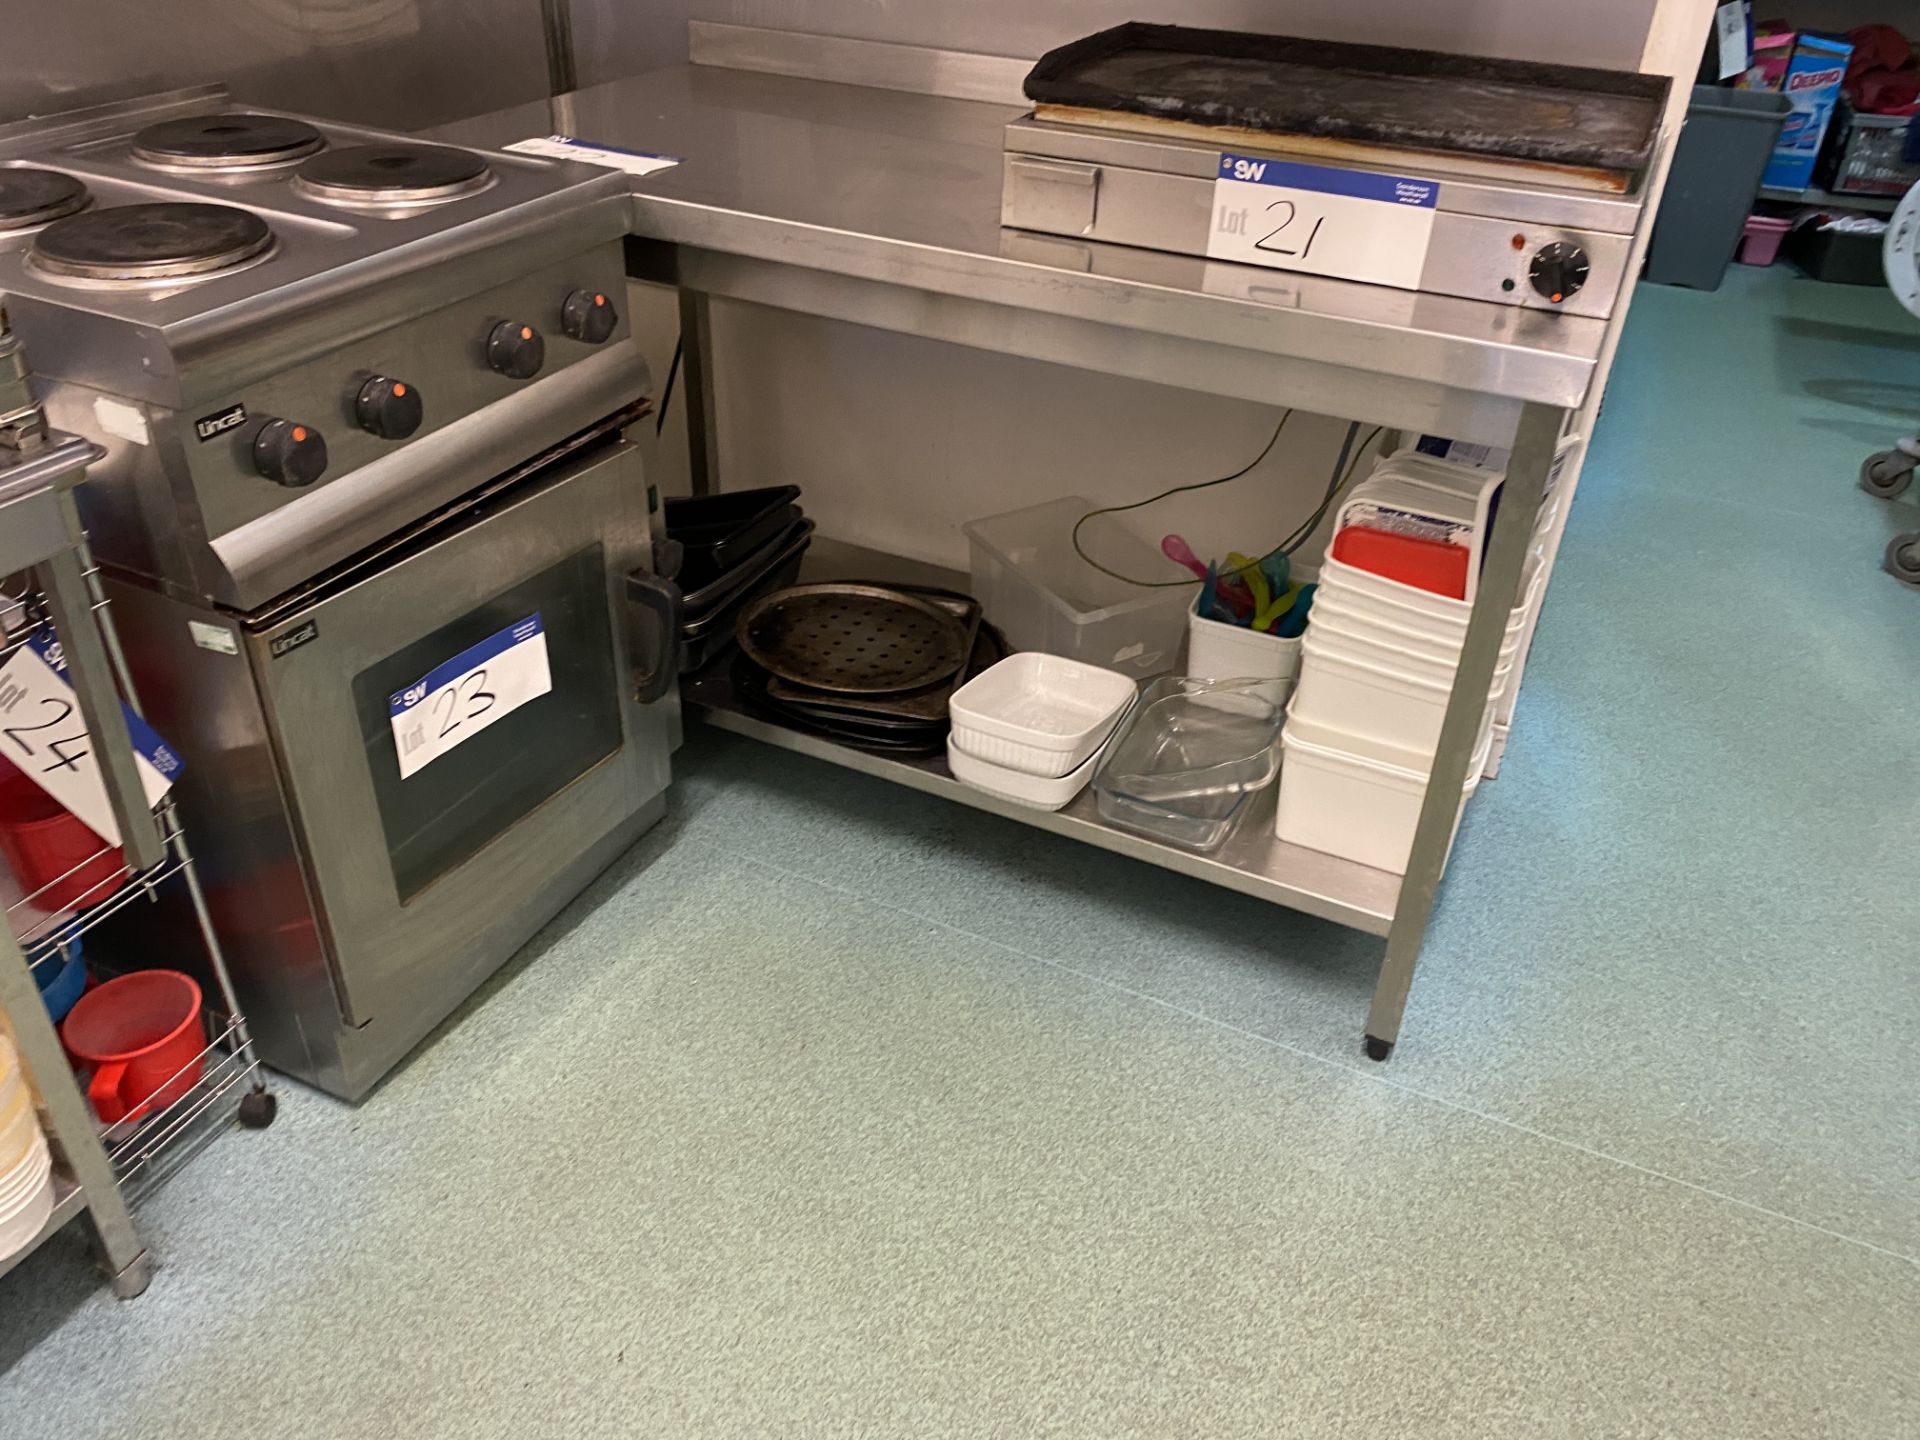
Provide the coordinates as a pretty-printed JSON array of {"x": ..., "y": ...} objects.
[{"x": 654, "y": 644}]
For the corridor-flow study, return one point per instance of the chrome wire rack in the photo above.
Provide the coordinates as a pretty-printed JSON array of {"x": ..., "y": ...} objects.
[
  {"x": 224, "y": 1082},
  {"x": 55, "y": 595}
]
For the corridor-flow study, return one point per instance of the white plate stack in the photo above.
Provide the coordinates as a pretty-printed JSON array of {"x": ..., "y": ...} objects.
[
  {"x": 1030, "y": 730},
  {"x": 26, "y": 1165},
  {"x": 1377, "y": 667}
]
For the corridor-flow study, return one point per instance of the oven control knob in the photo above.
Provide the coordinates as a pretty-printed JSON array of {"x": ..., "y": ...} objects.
[
  {"x": 588, "y": 315},
  {"x": 387, "y": 408},
  {"x": 289, "y": 454},
  {"x": 1559, "y": 271},
  {"x": 516, "y": 350}
]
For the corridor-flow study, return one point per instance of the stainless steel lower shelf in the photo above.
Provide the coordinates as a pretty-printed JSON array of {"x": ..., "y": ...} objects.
[{"x": 1253, "y": 861}]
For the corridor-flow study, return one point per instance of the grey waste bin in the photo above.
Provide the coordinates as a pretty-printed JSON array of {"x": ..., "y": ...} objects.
[{"x": 1711, "y": 188}]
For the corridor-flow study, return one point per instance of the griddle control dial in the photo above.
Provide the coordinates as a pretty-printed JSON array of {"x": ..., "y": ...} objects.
[
  {"x": 388, "y": 408},
  {"x": 588, "y": 315},
  {"x": 289, "y": 454},
  {"x": 1559, "y": 271},
  {"x": 516, "y": 350}
]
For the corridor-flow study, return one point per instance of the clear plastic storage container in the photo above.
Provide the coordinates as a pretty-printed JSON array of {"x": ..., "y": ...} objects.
[{"x": 1043, "y": 596}]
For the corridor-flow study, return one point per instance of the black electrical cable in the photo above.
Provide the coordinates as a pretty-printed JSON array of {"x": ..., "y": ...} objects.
[
  {"x": 1246, "y": 469},
  {"x": 666, "y": 391},
  {"x": 1343, "y": 471},
  {"x": 1300, "y": 537}
]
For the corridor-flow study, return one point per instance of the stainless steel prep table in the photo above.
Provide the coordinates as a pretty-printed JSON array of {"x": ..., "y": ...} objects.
[{"x": 870, "y": 203}]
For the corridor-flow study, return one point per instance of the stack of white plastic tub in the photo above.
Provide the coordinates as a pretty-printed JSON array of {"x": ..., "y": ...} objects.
[{"x": 1378, "y": 665}]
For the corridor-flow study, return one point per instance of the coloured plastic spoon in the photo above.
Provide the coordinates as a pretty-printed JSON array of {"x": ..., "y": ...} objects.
[
  {"x": 1181, "y": 553},
  {"x": 1294, "y": 623},
  {"x": 1230, "y": 594},
  {"x": 1270, "y": 617},
  {"x": 1278, "y": 568}
]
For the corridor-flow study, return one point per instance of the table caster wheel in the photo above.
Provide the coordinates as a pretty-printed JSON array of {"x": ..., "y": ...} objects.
[
  {"x": 1887, "y": 474},
  {"x": 1378, "y": 1049},
  {"x": 257, "y": 1109},
  {"x": 1903, "y": 559}
]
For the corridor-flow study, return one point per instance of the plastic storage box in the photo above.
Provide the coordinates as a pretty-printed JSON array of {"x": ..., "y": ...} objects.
[
  {"x": 1762, "y": 237},
  {"x": 1360, "y": 806},
  {"x": 1868, "y": 154},
  {"x": 1043, "y": 596},
  {"x": 1219, "y": 651},
  {"x": 1844, "y": 252}
]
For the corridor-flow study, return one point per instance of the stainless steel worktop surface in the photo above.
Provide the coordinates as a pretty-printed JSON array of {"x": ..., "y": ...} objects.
[{"x": 886, "y": 191}]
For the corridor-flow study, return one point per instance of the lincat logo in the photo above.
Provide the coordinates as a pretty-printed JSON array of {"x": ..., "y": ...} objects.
[
  {"x": 293, "y": 639},
  {"x": 221, "y": 421}
]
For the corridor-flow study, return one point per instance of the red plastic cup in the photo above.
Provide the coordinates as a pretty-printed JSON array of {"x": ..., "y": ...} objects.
[
  {"x": 141, "y": 1034},
  {"x": 60, "y": 863}
]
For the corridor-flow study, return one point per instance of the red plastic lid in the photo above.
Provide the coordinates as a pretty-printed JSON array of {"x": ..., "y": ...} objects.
[{"x": 1431, "y": 565}]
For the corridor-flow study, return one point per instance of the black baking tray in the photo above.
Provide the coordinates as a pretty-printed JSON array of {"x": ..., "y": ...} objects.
[
  {"x": 879, "y": 736},
  {"x": 1560, "y": 115},
  {"x": 719, "y": 531},
  {"x": 697, "y": 603},
  {"x": 705, "y": 636},
  {"x": 750, "y": 685}
]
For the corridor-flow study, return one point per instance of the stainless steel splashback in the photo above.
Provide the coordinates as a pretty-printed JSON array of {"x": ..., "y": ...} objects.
[
  {"x": 613, "y": 38},
  {"x": 404, "y": 64},
  {"x": 409, "y": 64}
]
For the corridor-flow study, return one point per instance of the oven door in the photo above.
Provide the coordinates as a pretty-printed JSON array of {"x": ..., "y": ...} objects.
[{"x": 459, "y": 735}]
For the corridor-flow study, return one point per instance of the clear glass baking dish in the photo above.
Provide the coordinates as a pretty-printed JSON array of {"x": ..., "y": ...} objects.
[{"x": 1190, "y": 756}]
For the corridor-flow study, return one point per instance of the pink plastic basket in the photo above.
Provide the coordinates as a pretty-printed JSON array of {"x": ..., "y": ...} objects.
[{"x": 1761, "y": 245}]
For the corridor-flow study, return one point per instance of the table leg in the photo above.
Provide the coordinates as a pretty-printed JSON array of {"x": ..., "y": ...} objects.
[
  {"x": 1528, "y": 471},
  {"x": 696, "y": 382}
]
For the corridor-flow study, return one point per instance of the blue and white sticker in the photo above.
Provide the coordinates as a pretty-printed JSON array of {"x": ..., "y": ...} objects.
[
  {"x": 456, "y": 700},
  {"x": 565, "y": 147},
  {"x": 44, "y": 734},
  {"x": 1319, "y": 220}
]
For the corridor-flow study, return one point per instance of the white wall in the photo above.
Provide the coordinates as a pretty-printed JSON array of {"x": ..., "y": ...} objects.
[{"x": 857, "y": 417}]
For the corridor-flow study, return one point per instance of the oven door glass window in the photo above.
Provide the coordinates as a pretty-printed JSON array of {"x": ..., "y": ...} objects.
[{"x": 482, "y": 774}]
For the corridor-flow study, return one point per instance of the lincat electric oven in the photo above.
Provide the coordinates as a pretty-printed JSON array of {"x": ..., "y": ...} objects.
[{"x": 377, "y": 548}]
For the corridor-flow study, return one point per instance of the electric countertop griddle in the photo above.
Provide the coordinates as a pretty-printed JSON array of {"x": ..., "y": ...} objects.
[{"x": 1494, "y": 180}]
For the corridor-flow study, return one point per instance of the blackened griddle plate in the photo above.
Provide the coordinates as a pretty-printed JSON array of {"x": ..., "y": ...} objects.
[
  {"x": 856, "y": 639},
  {"x": 1420, "y": 99}
]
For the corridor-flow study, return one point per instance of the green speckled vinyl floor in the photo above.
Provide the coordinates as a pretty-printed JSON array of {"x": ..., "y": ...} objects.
[{"x": 833, "y": 1110}]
